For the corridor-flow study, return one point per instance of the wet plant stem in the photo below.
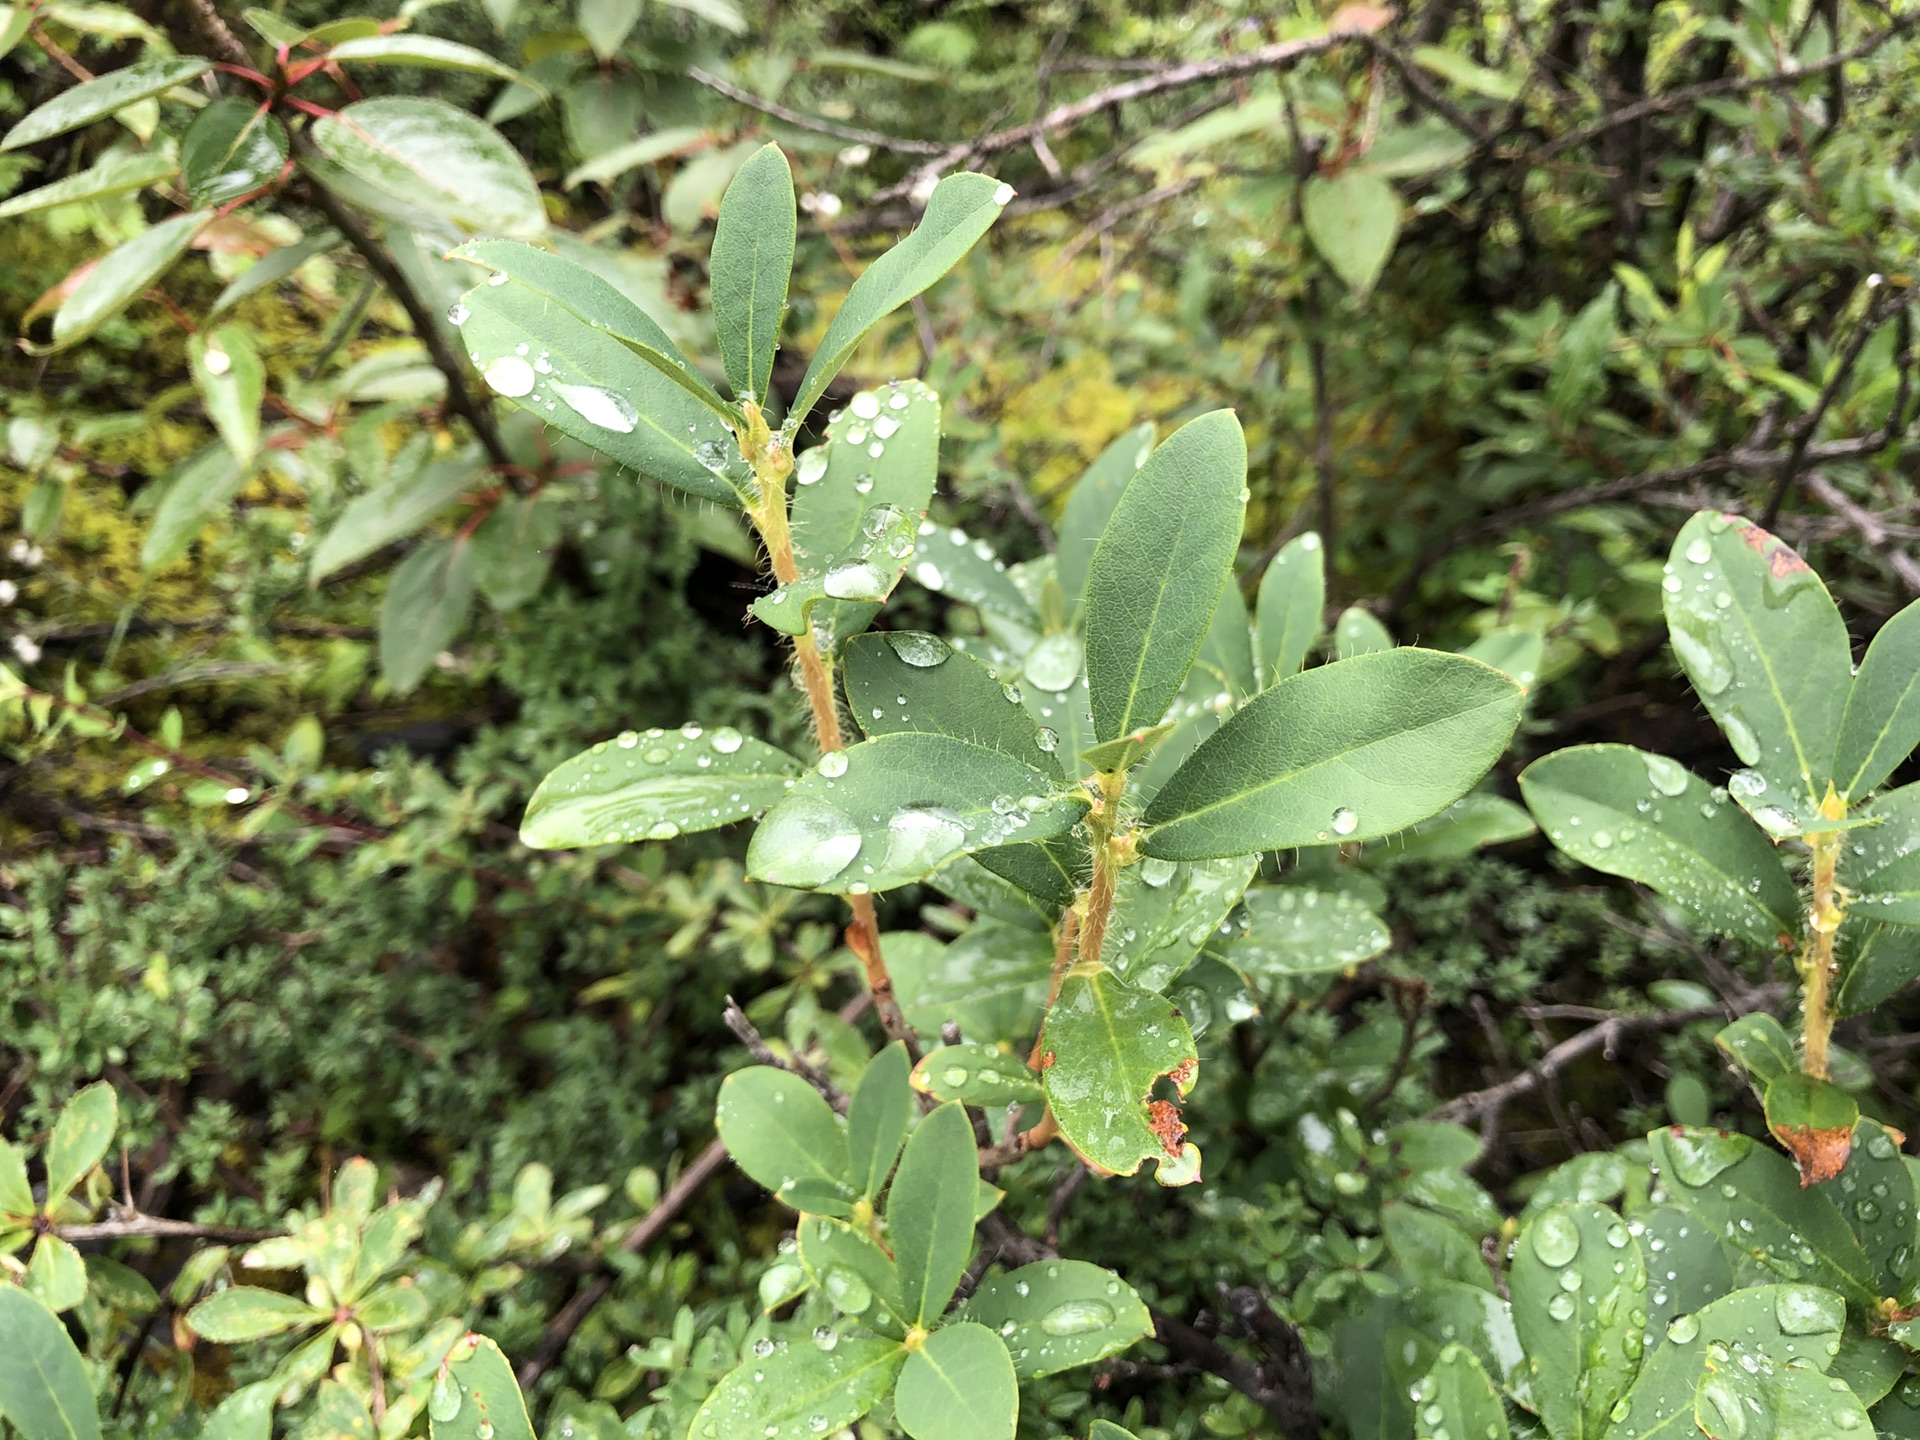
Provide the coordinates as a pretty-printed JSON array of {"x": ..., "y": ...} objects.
[
  {"x": 772, "y": 462},
  {"x": 1816, "y": 958},
  {"x": 1108, "y": 856}
]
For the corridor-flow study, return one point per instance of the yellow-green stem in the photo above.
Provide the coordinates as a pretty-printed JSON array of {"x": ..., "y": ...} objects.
[
  {"x": 1102, "y": 820},
  {"x": 766, "y": 452},
  {"x": 1816, "y": 958}
]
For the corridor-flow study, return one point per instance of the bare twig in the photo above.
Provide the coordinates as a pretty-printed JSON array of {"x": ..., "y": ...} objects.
[
  {"x": 152, "y": 1227},
  {"x": 1808, "y": 425},
  {"x": 852, "y": 134},
  {"x": 1871, "y": 528},
  {"x": 744, "y": 1031}
]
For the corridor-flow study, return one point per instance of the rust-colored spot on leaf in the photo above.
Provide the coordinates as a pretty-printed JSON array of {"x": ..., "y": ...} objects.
[
  {"x": 1184, "y": 1074},
  {"x": 1820, "y": 1154},
  {"x": 1163, "y": 1118},
  {"x": 1047, "y": 1060},
  {"x": 1782, "y": 559}
]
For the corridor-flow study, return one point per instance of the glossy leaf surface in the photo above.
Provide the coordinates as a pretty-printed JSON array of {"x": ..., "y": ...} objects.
[
  {"x": 1087, "y": 511},
  {"x": 1287, "y": 613},
  {"x": 779, "y": 1130},
  {"x": 1455, "y": 1397},
  {"x": 1881, "y": 722},
  {"x": 121, "y": 276},
  {"x": 1882, "y": 861},
  {"x": 877, "y": 1118},
  {"x": 799, "y": 1392},
  {"x": 1293, "y": 930},
  {"x": 233, "y": 147},
  {"x": 752, "y": 258},
  {"x": 959, "y": 1385},
  {"x": 112, "y": 175},
  {"x": 906, "y": 680},
  {"x": 475, "y": 1397},
  {"x": 427, "y": 155},
  {"x": 976, "y": 1075},
  {"x": 1057, "y": 1314},
  {"x": 1691, "y": 847},
  {"x": 890, "y": 810},
  {"x": 1104, "y": 1047},
  {"x": 1578, "y": 1279},
  {"x": 96, "y": 99},
  {"x": 655, "y": 784},
  {"x": 930, "y": 1212},
  {"x": 1348, "y": 751},
  {"x": 44, "y": 1392}
]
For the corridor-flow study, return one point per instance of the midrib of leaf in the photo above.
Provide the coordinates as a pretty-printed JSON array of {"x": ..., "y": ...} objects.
[
  {"x": 840, "y": 1382},
  {"x": 366, "y": 136},
  {"x": 1779, "y": 695},
  {"x": 926, "y": 1269},
  {"x": 1239, "y": 795},
  {"x": 1864, "y": 1288},
  {"x": 53, "y": 1390},
  {"x": 1146, "y": 645},
  {"x": 1880, "y": 736}
]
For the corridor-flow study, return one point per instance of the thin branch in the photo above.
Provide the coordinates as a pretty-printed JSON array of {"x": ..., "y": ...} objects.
[
  {"x": 1809, "y": 424},
  {"x": 151, "y": 1227},
  {"x": 1870, "y": 528},
  {"x": 852, "y": 134},
  {"x": 744, "y": 1031}
]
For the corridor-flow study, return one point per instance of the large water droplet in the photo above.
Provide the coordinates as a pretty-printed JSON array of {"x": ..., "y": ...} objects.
[
  {"x": 804, "y": 842},
  {"x": 919, "y": 839},
  {"x": 1684, "y": 1331},
  {"x": 727, "y": 740},
  {"x": 866, "y": 405},
  {"x": 1709, "y": 670},
  {"x": 1716, "y": 1403},
  {"x": 833, "y": 764},
  {"x": 1802, "y": 1310},
  {"x": 510, "y": 376},
  {"x": 1048, "y": 740},
  {"x": 1561, "y": 1306},
  {"x": 1556, "y": 1238},
  {"x": 848, "y": 1292},
  {"x": 918, "y": 649},
  {"x": 1700, "y": 1155},
  {"x": 1345, "y": 821},
  {"x": 599, "y": 407},
  {"x": 443, "y": 1401},
  {"x": 858, "y": 580},
  {"x": 1053, "y": 664},
  {"x": 1077, "y": 1317},
  {"x": 1700, "y": 552},
  {"x": 1668, "y": 776}
]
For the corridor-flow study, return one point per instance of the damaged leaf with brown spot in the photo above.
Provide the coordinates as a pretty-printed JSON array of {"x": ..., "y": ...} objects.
[
  {"x": 1112, "y": 1044},
  {"x": 1814, "y": 1120}
]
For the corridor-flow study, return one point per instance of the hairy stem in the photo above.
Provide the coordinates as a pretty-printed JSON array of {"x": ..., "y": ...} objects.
[
  {"x": 1107, "y": 856},
  {"x": 771, "y": 462},
  {"x": 1816, "y": 958}
]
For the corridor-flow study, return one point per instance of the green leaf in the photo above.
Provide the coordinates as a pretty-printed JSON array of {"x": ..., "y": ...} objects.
[
  {"x": 1688, "y": 845},
  {"x": 958, "y": 1385},
  {"x": 1471, "y": 823},
  {"x": 112, "y": 175},
  {"x": 1877, "y": 961},
  {"x": 1517, "y": 651},
  {"x": 862, "y": 575},
  {"x": 1293, "y": 597},
  {"x": 1765, "y": 1327},
  {"x": 654, "y": 785},
  {"x": 593, "y": 302},
  {"x": 1455, "y": 1398},
  {"x": 231, "y": 380},
  {"x": 1798, "y": 1404},
  {"x": 877, "y": 1119},
  {"x": 244, "y": 1312},
  {"x": 16, "y": 1195},
  {"x": 1431, "y": 1248},
  {"x": 1692, "y": 1261},
  {"x": 1578, "y": 1280},
  {"x": 426, "y": 52},
  {"x": 427, "y": 155},
  {"x": 232, "y": 148},
  {"x": 1349, "y": 751},
  {"x": 1104, "y": 1047},
  {"x": 976, "y": 1074},
  {"x": 1164, "y": 912},
  {"x": 602, "y": 388},
  {"x": 44, "y": 1392},
  {"x": 1292, "y": 930},
  {"x": 950, "y": 562},
  {"x": 426, "y": 604},
  {"x": 393, "y": 512},
  {"x": 272, "y": 268},
  {"x": 1223, "y": 670},
  {"x": 475, "y": 1397},
  {"x": 1880, "y": 724},
  {"x": 1058, "y": 1314},
  {"x": 906, "y": 681},
  {"x": 1452, "y": 66},
  {"x": 80, "y": 1139},
  {"x": 1814, "y": 1121},
  {"x": 56, "y": 1274},
  {"x": 799, "y": 1392},
  {"x": 1763, "y": 644},
  {"x": 120, "y": 277},
  {"x": 1750, "y": 1195},
  {"x": 959, "y": 212},
  {"x": 246, "y": 1414},
  {"x": 1881, "y": 863},
  {"x": 885, "y": 451},
  {"x": 930, "y": 1212},
  {"x": 1089, "y": 508},
  {"x": 888, "y": 811},
  {"x": 1878, "y": 1201},
  {"x": 752, "y": 258},
  {"x": 200, "y": 488},
  {"x": 990, "y": 982},
  {"x": 1159, "y": 569},
  {"x": 779, "y": 1130},
  {"x": 1353, "y": 219},
  {"x": 513, "y": 550},
  {"x": 97, "y": 99},
  {"x": 337, "y": 1414},
  {"x": 607, "y": 23},
  {"x": 1760, "y": 1046},
  {"x": 1357, "y": 632},
  {"x": 844, "y": 1264}
]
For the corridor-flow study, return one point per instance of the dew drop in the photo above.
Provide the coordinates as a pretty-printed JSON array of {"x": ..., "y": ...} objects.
[
  {"x": 443, "y": 1401},
  {"x": 1077, "y": 1317},
  {"x": 1556, "y": 1239},
  {"x": 833, "y": 764},
  {"x": 1345, "y": 821},
  {"x": 509, "y": 375},
  {"x": 599, "y": 407},
  {"x": 804, "y": 842},
  {"x": 918, "y": 649},
  {"x": 727, "y": 740}
]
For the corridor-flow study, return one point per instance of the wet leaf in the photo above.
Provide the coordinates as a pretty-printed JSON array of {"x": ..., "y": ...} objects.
[
  {"x": 199, "y": 490},
  {"x": 1158, "y": 571},
  {"x": 1293, "y": 930},
  {"x": 111, "y": 175},
  {"x": 1457, "y": 1399},
  {"x": 959, "y": 1385},
  {"x": 976, "y": 1074},
  {"x": 752, "y": 258},
  {"x": 425, "y": 155},
  {"x": 231, "y": 380},
  {"x": 1763, "y": 644},
  {"x": 80, "y": 1139},
  {"x": 991, "y": 981},
  {"x": 99, "y": 98},
  {"x": 1814, "y": 1120},
  {"x": 877, "y": 1118},
  {"x": 426, "y": 605},
  {"x": 1471, "y": 823},
  {"x": 1292, "y": 600},
  {"x": 120, "y": 277},
  {"x": 1760, "y": 1046},
  {"x": 1688, "y": 845},
  {"x": 427, "y": 52},
  {"x": 392, "y": 512},
  {"x": 56, "y": 1274},
  {"x": 779, "y": 1130},
  {"x": 1881, "y": 863},
  {"x": 1687, "y": 1266},
  {"x": 844, "y": 1264},
  {"x": 1087, "y": 511},
  {"x": 232, "y": 148},
  {"x": 1578, "y": 1281},
  {"x": 1358, "y": 632},
  {"x": 1104, "y": 1048},
  {"x": 1794, "y": 1403},
  {"x": 949, "y": 562},
  {"x": 245, "y": 1312},
  {"x": 930, "y": 1212},
  {"x": 890, "y": 810},
  {"x": 799, "y": 1392},
  {"x": 1349, "y": 751},
  {"x": 1881, "y": 722},
  {"x": 859, "y": 577},
  {"x": 960, "y": 210},
  {"x": 1164, "y": 911},
  {"x": 1057, "y": 1314},
  {"x": 1875, "y": 1195}
]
